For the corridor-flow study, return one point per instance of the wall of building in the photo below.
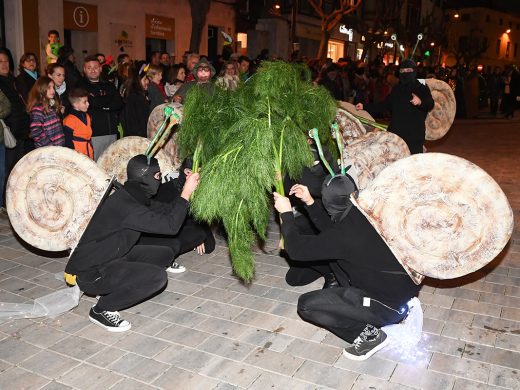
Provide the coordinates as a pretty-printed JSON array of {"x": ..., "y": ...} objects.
[
  {"x": 121, "y": 12},
  {"x": 479, "y": 23}
]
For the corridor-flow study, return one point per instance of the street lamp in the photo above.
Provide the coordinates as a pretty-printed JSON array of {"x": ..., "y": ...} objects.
[
  {"x": 432, "y": 44},
  {"x": 456, "y": 16},
  {"x": 508, "y": 31}
]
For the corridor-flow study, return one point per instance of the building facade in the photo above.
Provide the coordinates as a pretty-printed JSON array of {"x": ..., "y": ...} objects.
[
  {"x": 482, "y": 36},
  {"x": 114, "y": 27}
]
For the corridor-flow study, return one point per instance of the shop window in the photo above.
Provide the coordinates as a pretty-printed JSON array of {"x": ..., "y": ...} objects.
[{"x": 335, "y": 50}]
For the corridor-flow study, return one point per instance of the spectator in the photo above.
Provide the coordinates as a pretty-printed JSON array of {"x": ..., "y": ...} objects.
[
  {"x": 135, "y": 114},
  {"x": 28, "y": 75},
  {"x": 156, "y": 91},
  {"x": 243, "y": 67},
  {"x": 155, "y": 58},
  {"x": 67, "y": 59},
  {"x": 331, "y": 82},
  {"x": 46, "y": 128},
  {"x": 5, "y": 110},
  {"x": 204, "y": 72},
  {"x": 177, "y": 75},
  {"x": 495, "y": 87},
  {"x": 53, "y": 46},
  {"x": 191, "y": 61},
  {"x": 18, "y": 119},
  {"x": 164, "y": 63},
  {"x": 228, "y": 78},
  {"x": 78, "y": 123},
  {"x": 105, "y": 103},
  {"x": 56, "y": 73}
]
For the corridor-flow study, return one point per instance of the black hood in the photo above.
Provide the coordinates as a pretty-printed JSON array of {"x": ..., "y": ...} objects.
[
  {"x": 335, "y": 195},
  {"x": 140, "y": 171},
  {"x": 408, "y": 77}
]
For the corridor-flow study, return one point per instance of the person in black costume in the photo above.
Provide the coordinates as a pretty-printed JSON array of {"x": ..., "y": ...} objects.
[
  {"x": 374, "y": 287},
  {"x": 312, "y": 177},
  {"x": 409, "y": 103},
  {"x": 107, "y": 262},
  {"x": 193, "y": 235}
]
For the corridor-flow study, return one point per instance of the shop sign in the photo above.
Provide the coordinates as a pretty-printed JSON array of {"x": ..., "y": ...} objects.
[
  {"x": 78, "y": 16},
  {"x": 159, "y": 27},
  {"x": 347, "y": 31}
]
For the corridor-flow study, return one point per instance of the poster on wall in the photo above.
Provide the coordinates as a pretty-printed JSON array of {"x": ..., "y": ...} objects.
[{"x": 122, "y": 38}]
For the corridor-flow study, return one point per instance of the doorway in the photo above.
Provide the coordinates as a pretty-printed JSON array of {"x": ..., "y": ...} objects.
[{"x": 84, "y": 43}]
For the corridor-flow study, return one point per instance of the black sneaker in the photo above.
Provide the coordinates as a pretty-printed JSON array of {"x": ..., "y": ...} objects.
[
  {"x": 366, "y": 344},
  {"x": 110, "y": 320}
]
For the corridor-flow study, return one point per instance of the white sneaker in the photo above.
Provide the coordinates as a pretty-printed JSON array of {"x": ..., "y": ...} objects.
[{"x": 176, "y": 268}]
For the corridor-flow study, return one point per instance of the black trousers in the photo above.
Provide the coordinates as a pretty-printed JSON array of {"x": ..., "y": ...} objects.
[
  {"x": 342, "y": 312},
  {"x": 127, "y": 281},
  {"x": 191, "y": 235}
]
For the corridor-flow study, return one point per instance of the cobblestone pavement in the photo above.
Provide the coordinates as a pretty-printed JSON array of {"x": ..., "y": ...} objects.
[{"x": 208, "y": 331}]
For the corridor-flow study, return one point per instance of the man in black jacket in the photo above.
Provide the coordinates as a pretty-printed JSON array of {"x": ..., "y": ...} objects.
[
  {"x": 409, "y": 103},
  {"x": 105, "y": 103},
  {"x": 107, "y": 262},
  {"x": 374, "y": 287}
]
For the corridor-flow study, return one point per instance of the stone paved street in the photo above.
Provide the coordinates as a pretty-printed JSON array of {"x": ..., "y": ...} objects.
[{"x": 209, "y": 331}]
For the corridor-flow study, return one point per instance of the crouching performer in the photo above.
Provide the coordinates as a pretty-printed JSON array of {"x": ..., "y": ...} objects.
[
  {"x": 108, "y": 263},
  {"x": 374, "y": 288}
]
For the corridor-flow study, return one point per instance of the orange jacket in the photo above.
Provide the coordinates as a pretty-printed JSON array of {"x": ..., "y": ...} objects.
[{"x": 81, "y": 134}]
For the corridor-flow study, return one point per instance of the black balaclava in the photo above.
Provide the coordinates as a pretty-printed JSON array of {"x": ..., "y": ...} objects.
[
  {"x": 186, "y": 164},
  {"x": 408, "y": 77},
  {"x": 335, "y": 195},
  {"x": 139, "y": 171}
]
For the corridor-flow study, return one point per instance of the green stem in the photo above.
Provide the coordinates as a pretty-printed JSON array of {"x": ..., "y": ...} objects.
[
  {"x": 196, "y": 156},
  {"x": 168, "y": 111},
  {"x": 341, "y": 146},
  {"x": 316, "y": 138},
  {"x": 175, "y": 119}
]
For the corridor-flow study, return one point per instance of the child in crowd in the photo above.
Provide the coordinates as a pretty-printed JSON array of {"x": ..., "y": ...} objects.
[
  {"x": 156, "y": 92},
  {"x": 53, "y": 46},
  {"x": 77, "y": 123},
  {"x": 45, "y": 127}
]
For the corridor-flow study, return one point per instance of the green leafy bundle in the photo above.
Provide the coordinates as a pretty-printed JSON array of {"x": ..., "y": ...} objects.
[{"x": 250, "y": 138}]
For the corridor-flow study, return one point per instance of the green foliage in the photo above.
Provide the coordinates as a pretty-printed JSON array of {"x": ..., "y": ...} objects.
[{"x": 241, "y": 133}]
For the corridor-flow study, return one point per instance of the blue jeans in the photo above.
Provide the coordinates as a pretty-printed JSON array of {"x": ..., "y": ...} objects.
[{"x": 2, "y": 173}]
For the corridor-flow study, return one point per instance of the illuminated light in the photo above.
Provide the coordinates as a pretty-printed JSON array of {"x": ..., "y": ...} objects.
[
  {"x": 363, "y": 38},
  {"x": 348, "y": 31},
  {"x": 277, "y": 6},
  {"x": 508, "y": 31},
  {"x": 432, "y": 44},
  {"x": 427, "y": 53},
  {"x": 480, "y": 67},
  {"x": 456, "y": 16},
  {"x": 401, "y": 47},
  {"x": 407, "y": 342},
  {"x": 386, "y": 32}
]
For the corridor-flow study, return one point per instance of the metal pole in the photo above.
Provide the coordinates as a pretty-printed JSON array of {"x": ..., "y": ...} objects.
[{"x": 294, "y": 15}]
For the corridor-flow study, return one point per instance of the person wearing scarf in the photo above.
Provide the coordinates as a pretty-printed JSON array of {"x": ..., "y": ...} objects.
[{"x": 28, "y": 74}]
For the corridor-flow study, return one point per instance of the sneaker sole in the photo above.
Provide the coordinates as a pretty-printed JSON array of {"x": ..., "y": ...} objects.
[
  {"x": 110, "y": 328},
  {"x": 368, "y": 354},
  {"x": 175, "y": 270}
]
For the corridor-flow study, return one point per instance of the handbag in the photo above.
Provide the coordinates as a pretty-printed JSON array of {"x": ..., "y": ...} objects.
[{"x": 9, "y": 138}]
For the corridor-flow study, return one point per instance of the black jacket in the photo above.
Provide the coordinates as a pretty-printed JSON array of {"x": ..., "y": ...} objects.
[
  {"x": 362, "y": 258},
  {"x": 408, "y": 121},
  {"x": 117, "y": 226},
  {"x": 134, "y": 117},
  {"x": 24, "y": 83},
  {"x": 105, "y": 106},
  {"x": 18, "y": 119}
]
